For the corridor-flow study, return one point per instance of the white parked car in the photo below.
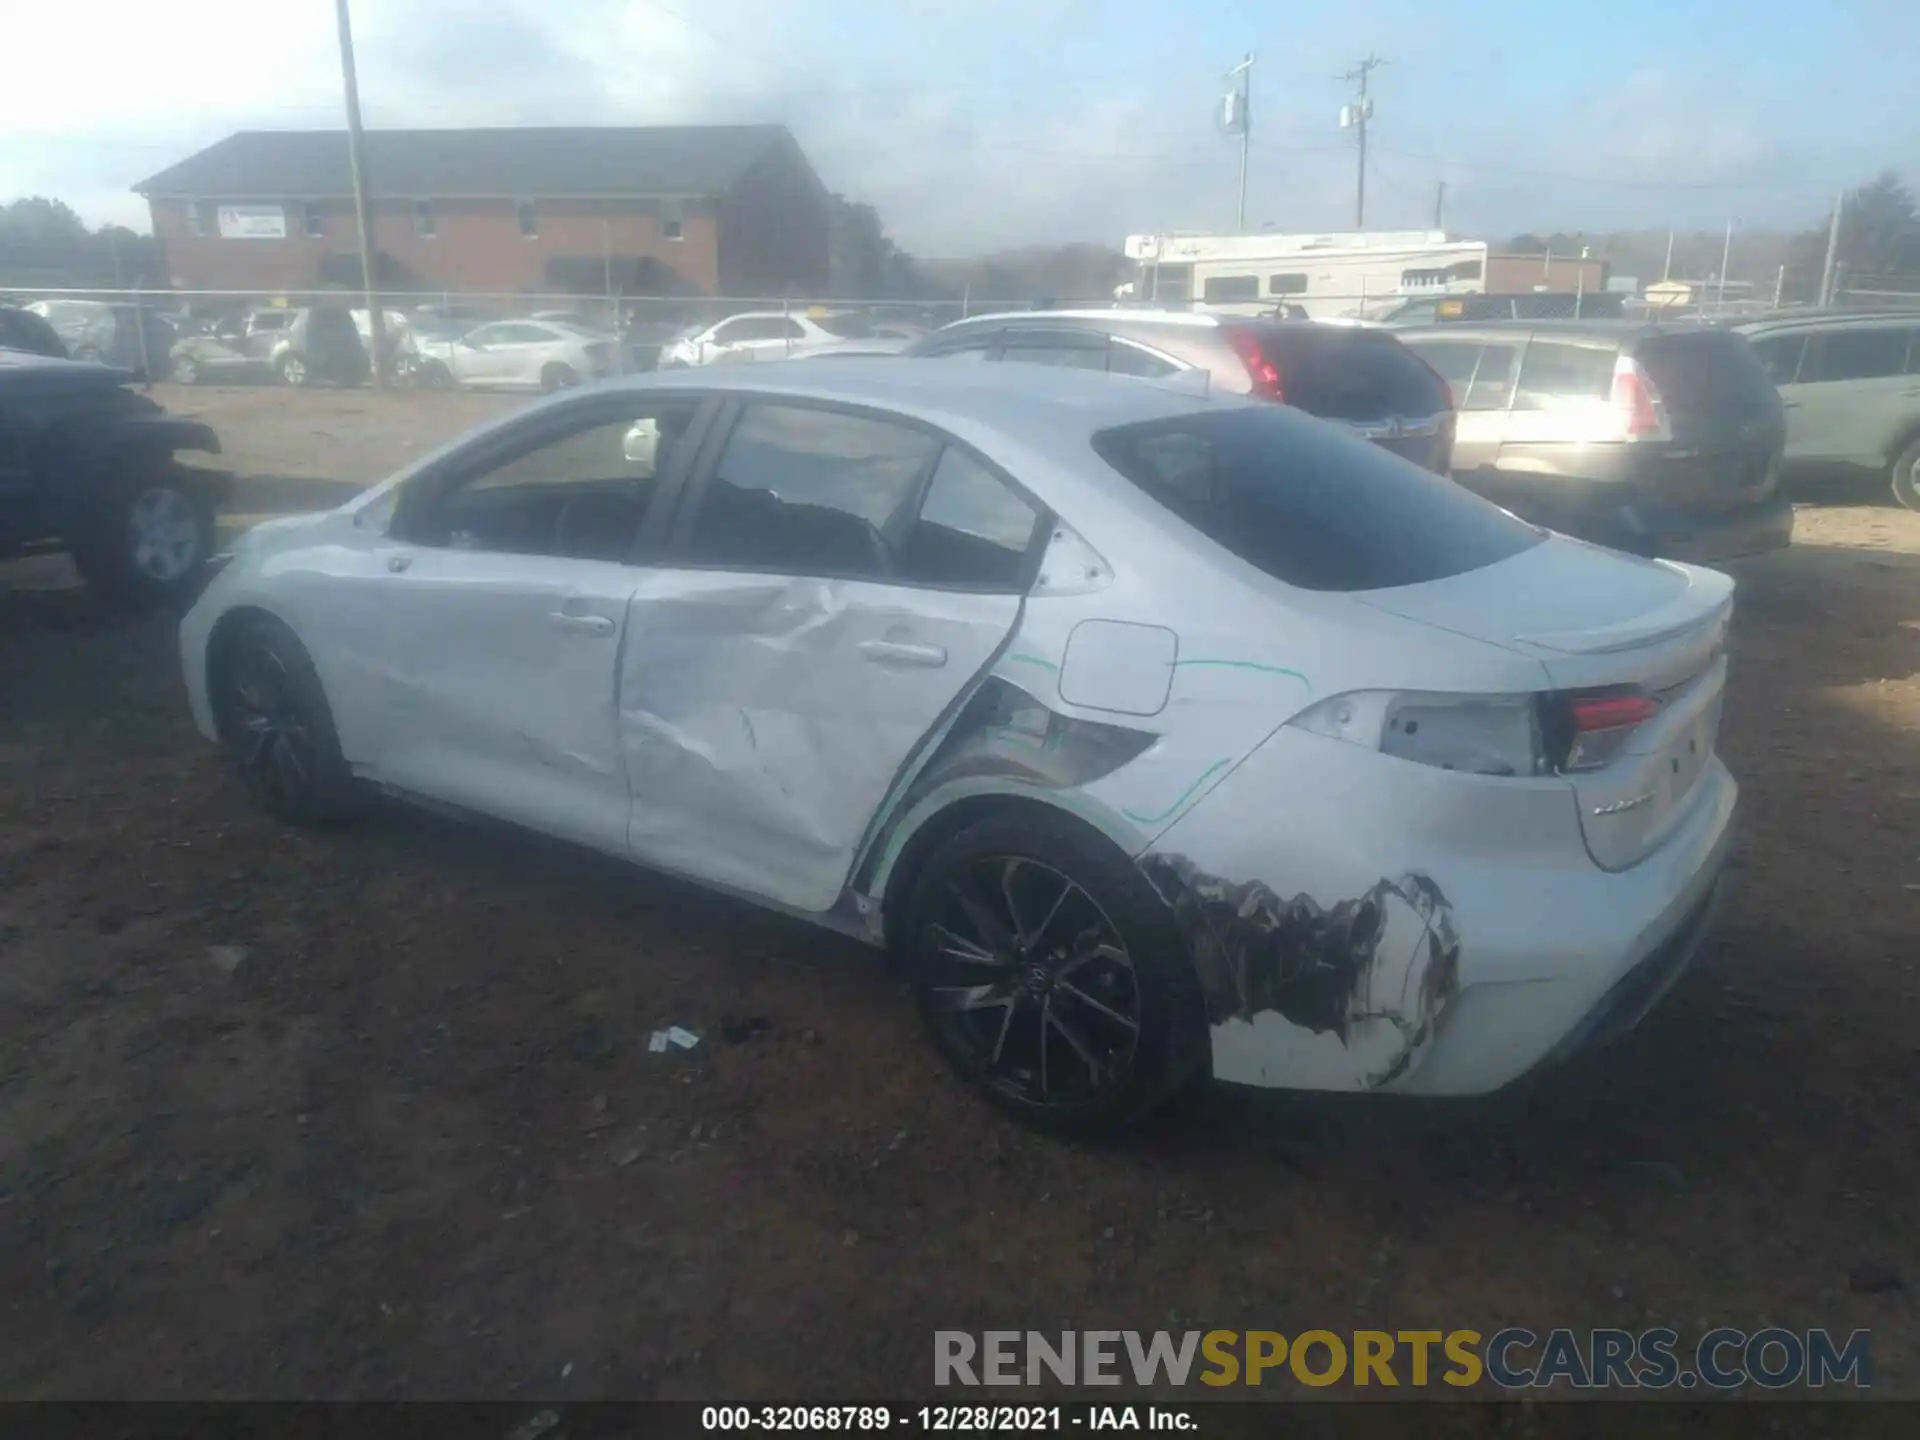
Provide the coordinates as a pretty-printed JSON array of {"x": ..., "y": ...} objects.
[
  {"x": 1153, "y": 732},
  {"x": 515, "y": 355},
  {"x": 763, "y": 335}
]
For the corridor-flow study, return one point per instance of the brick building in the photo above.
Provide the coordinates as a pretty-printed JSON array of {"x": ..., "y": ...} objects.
[{"x": 660, "y": 210}]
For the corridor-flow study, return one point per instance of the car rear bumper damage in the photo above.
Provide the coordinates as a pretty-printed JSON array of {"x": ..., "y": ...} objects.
[{"x": 1428, "y": 961}]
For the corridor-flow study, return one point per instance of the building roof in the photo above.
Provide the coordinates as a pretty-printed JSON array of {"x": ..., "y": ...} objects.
[{"x": 691, "y": 160}]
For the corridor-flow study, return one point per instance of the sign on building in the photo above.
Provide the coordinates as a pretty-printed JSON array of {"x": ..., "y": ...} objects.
[{"x": 253, "y": 222}]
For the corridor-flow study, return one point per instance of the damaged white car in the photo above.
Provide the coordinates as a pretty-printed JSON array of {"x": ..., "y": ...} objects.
[{"x": 1154, "y": 733}]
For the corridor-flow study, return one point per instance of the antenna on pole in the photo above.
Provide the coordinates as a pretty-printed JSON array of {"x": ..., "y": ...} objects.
[
  {"x": 1237, "y": 115},
  {"x": 1355, "y": 117}
]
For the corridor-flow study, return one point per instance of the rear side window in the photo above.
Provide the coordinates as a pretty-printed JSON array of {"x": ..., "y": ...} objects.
[
  {"x": 846, "y": 327},
  {"x": 973, "y": 532},
  {"x": 1780, "y": 356},
  {"x": 1069, "y": 353},
  {"x": 1554, "y": 375},
  {"x": 1126, "y": 359},
  {"x": 1344, "y": 373},
  {"x": 1308, "y": 505},
  {"x": 1703, "y": 372},
  {"x": 1856, "y": 355},
  {"x": 800, "y": 491}
]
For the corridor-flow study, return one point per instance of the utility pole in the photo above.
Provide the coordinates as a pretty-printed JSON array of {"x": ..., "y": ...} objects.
[
  {"x": 1439, "y": 205},
  {"x": 1666, "y": 271},
  {"x": 1827, "y": 271},
  {"x": 376, "y": 328},
  {"x": 1355, "y": 117},
  {"x": 1726, "y": 254},
  {"x": 1239, "y": 116}
]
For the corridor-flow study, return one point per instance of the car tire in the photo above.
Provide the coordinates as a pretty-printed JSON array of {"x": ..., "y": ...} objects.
[
  {"x": 435, "y": 376},
  {"x": 183, "y": 371},
  {"x": 275, "y": 724},
  {"x": 558, "y": 377},
  {"x": 1906, "y": 477},
  {"x": 1051, "y": 975},
  {"x": 293, "y": 370},
  {"x": 145, "y": 537}
]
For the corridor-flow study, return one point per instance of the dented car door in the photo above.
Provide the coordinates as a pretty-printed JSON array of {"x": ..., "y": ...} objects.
[{"x": 837, "y": 583}]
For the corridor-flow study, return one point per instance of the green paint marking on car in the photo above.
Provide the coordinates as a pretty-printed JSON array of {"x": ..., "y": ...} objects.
[
  {"x": 1245, "y": 665},
  {"x": 1184, "y": 795},
  {"x": 1039, "y": 660}
]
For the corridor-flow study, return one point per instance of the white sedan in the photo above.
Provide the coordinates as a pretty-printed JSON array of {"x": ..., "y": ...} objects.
[
  {"x": 516, "y": 355},
  {"x": 1153, "y": 732},
  {"x": 764, "y": 335}
]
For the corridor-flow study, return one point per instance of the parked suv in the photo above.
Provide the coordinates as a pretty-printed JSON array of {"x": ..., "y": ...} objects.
[
  {"x": 1662, "y": 440},
  {"x": 1851, "y": 387},
  {"x": 87, "y": 465},
  {"x": 1363, "y": 379}
]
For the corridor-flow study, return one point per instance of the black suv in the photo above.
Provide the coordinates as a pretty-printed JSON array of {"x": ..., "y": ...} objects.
[
  {"x": 87, "y": 465},
  {"x": 1363, "y": 379}
]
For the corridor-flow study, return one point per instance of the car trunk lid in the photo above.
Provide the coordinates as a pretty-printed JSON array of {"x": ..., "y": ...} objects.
[{"x": 1632, "y": 649}]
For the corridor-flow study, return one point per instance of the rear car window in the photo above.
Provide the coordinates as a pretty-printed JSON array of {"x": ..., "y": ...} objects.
[
  {"x": 1308, "y": 505},
  {"x": 1346, "y": 373},
  {"x": 1878, "y": 353},
  {"x": 1554, "y": 373},
  {"x": 1706, "y": 372}
]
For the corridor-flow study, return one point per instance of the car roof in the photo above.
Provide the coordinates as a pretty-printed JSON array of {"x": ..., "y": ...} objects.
[
  {"x": 1033, "y": 402},
  {"x": 1614, "y": 331},
  {"x": 1132, "y": 317},
  {"x": 1826, "y": 320}
]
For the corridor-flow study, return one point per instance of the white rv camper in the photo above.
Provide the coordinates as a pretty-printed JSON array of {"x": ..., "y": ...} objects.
[{"x": 1329, "y": 276}]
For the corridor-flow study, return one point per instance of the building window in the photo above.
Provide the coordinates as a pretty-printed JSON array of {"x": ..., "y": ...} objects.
[
  {"x": 1293, "y": 284},
  {"x": 200, "y": 218},
  {"x": 424, "y": 224},
  {"x": 672, "y": 220},
  {"x": 529, "y": 221},
  {"x": 311, "y": 224}
]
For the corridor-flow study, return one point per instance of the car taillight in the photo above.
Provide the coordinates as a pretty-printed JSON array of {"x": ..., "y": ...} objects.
[
  {"x": 1637, "y": 402},
  {"x": 1586, "y": 729},
  {"x": 1265, "y": 375},
  {"x": 1497, "y": 735}
]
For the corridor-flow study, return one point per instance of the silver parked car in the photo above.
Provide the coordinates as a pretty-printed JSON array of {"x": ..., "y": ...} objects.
[{"x": 515, "y": 355}]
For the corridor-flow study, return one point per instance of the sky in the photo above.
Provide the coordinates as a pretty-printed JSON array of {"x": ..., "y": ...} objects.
[{"x": 977, "y": 125}]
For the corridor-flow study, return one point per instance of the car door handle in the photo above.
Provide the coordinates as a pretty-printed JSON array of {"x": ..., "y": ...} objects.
[
  {"x": 901, "y": 652},
  {"x": 1789, "y": 404},
  {"x": 581, "y": 624}
]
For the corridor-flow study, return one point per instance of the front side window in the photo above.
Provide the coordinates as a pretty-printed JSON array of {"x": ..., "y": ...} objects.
[
  {"x": 581, "y": 496},
  {"x": 1453, "y": 359},
  {"x": 1780, "y": 356},
  {"x": 1492, "y": 387},
  {"x": 1309, "y": 506},
  {"x": 1070, "y": 353},
  {"x": 846, "y": 327},
  {"x": 804, "y": 491},
  {"x": 425, "y": 225},
  {"x": 528, "y": 219},
  {"x": 1126, "y": 359}
]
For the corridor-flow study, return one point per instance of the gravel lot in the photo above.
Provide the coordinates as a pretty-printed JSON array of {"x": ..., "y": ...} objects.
[{"x": 370, "y": 1113}]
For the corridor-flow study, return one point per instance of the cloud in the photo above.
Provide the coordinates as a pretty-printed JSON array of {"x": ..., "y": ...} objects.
[{"x": 969, "y": 124}]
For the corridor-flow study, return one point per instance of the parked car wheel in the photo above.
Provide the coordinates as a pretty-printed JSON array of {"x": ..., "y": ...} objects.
[
  {"x": 275, "y": 723},
  {"x": 1906, "y": 477},
  {"x": 184, "y": 371},
  {"x": 435, "y": 376},
  {"x": 1051, "y": 975},
  {"x": 293, "y": 370},
  {"x": 558, "y": 377},
  {"x": 145, "y": 540}
]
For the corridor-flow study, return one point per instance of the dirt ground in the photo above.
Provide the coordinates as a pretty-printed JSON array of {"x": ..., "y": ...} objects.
[{"x": 371, "y": 1113}]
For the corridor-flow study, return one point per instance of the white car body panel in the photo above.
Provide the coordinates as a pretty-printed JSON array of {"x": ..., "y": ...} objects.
[
  {"x": 764, "y": 717},
  {"x": 785, "y": 738}
]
